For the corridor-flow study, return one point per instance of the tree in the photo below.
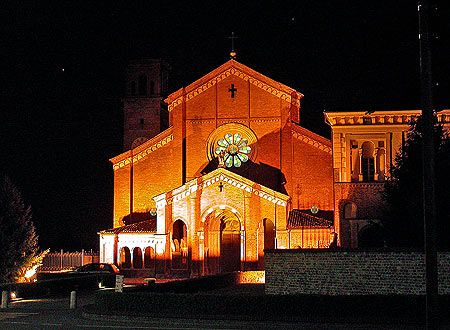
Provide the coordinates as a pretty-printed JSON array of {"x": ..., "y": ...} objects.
[
  {"x": 403, "y": 218},
  {"x": 18, "y": 239}
]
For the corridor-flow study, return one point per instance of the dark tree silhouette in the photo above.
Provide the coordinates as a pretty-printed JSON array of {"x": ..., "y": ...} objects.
[
  {"x": 403, "y": 218},
  {"x": 18, "y": 238}
]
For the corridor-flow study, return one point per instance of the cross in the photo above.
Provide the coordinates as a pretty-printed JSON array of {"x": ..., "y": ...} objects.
[
  {"x": 232, "y": 53},
  {"x": 232, "y": 90}
]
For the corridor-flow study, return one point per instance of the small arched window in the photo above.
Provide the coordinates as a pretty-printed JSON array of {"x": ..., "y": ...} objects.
[
  {"x": 350, "y": 210},
  {"x": 367, "y": 161}
]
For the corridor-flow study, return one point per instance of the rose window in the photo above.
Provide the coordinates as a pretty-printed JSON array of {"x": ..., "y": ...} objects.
[{"x": 234, "y": 150}]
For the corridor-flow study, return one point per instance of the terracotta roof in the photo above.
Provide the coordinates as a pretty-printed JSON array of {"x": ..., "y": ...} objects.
[
  {"x": 147, "y": 226},
  {"x": 298, "y": 218}
]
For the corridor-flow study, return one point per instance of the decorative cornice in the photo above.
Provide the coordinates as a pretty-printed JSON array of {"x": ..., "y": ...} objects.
[
  {"x": 201, "y": 121},
  {"x": 142, "y": 151},
  {"x": 233, "y": 120},
  {"x": 311, "y": 141},
  {"x": 392, "y": 117},
  {"x": 362, "y": 185},
  {"x": 227, "y": 177},
  {"x": 283, "y": 93},
  {"x": 265, "y": 120}
]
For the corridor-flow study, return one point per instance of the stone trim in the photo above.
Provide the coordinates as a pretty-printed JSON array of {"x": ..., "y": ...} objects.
[
  {"x": 238, "y": 73},
  {"x": 311, "y": 141},
  {"x": 221, "y": 175},
  {"x": 150, "y": 146},
  {"x": 400, "y": 117}
]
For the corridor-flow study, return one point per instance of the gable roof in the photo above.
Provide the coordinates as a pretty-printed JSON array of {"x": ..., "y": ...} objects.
[
  {"x": 298, "y": 218},
  {"x": 232, "y": 67},
  {"x": 147, "y": 226},
  {"x": 141, "y": 151},
  {"x": 227, "y": 177}
]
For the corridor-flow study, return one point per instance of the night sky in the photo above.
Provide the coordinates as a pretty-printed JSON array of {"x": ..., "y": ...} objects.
[{"x": 62, "y": 80}]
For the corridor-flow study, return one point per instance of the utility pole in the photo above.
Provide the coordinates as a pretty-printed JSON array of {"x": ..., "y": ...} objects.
[{"x": 429, "y": 208}]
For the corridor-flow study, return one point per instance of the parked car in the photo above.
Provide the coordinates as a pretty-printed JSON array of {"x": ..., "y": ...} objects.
[
  {"x": 98, "y": 268},
  {"x": 89, "y": 275},
  {"x": 106, "y": 273}
]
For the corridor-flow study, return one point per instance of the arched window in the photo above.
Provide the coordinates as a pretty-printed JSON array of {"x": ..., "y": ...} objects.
[
  {"x": 179, "y": 245},
  {"x": 367, "y": 161},
  {"x": 142, "y": 85},
  {"x": 269, "y": 234},
  {"x": 125, "y": 258},
  {"x": 137, "y": 258},
  {"x": 149, "y": 258},
  {"x": 350, "y": 210}
]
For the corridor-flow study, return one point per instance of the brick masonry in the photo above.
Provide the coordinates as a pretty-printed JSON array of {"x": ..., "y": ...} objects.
[{"x": 351, "y": 272}]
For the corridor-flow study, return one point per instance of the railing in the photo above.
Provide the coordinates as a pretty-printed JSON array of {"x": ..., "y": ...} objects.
[{"x": 64, "y": 260}]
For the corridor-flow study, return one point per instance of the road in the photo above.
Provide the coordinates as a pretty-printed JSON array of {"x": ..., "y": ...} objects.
[{"x": 54, "y": 313}]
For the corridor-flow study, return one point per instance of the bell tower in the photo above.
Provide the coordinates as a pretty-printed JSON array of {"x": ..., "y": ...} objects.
[{"x": 145, "y": 114}]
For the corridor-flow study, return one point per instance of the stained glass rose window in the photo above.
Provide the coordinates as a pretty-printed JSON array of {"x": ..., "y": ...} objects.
[{"x": 234, "y": 149}]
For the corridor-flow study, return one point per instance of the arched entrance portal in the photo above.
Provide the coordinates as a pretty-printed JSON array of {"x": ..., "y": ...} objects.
[
  {"x": 222, "y": 242},
  {"x": 230, "y": 245}
]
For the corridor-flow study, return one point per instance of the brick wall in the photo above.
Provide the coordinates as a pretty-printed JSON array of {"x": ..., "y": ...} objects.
[
  {"x": 369, "y": 204},
  {"x": 351, "y": 273}
]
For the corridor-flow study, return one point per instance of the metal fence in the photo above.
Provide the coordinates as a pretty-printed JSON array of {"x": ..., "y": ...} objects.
[{"x": 64, "y": 260}]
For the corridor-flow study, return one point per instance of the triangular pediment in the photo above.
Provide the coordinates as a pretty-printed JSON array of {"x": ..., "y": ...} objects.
[
  {"x": 226, "y": 177},
  {"x": 226, "y": 70}
]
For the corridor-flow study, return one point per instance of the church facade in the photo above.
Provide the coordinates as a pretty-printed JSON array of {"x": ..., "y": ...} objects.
[{"x": 228, "y": 171}]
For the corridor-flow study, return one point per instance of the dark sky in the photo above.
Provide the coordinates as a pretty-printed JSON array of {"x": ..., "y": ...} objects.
[{"x": 62, "y": 79}]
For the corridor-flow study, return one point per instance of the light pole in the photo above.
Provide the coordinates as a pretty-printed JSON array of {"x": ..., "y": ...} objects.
[{"x": 429, "y": 209}]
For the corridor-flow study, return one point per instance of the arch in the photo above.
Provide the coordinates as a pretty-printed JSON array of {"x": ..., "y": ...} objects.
[
  {"x": 269, "y": 234},
  {"x": 214, "y": 211},
  {"x": 179, "y": 231},
  {"x": 179, "y": 245},
  {"x": 149, "y": 258},
  {"x": 137, "y": 258},
  {"x": 367, "y": 161},
  {"x": 125, "y": 258},
  {"x": 371, "y": 236},
  {"x": 222, "y": 239},
  {"x": 349, "y": 210}
]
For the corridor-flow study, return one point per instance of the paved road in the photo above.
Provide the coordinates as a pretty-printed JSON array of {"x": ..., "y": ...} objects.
[{"x": 54, "y": 313}]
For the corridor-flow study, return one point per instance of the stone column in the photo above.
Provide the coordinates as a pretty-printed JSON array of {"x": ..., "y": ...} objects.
[
  {"x": 360, "y": 175},
  {"x": 376, "y": 165}
]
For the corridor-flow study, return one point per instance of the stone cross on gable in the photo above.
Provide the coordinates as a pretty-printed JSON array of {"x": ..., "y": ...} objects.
[{"x": 232, "y": 90}]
